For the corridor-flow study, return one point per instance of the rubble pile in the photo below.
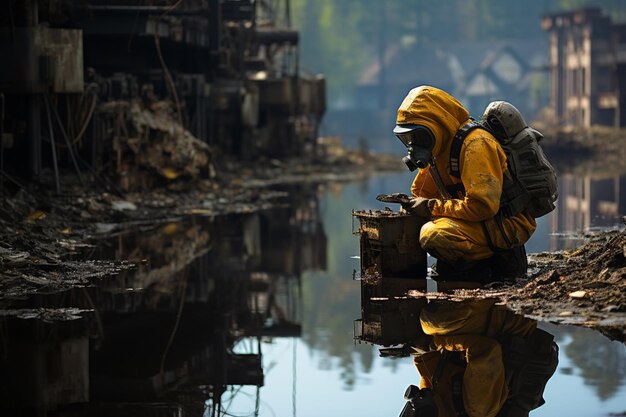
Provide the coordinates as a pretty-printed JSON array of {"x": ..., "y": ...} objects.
[
  {"x": 38, "y": 246},
  {"x": 153, "y": 150},
  {"x": 45, "y": 238},
  {"x": 164, "y": 145},
  {"x": 587, "y": 284},
  {"x": 149, "y": 140},
  {"x": 585, "y": 287}
]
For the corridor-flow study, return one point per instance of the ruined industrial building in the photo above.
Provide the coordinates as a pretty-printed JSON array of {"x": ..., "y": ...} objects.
[
  {"x": 587, "y": 68},
  {"x": 191, "y": 221},
  {"x": 135, "y": 87}
]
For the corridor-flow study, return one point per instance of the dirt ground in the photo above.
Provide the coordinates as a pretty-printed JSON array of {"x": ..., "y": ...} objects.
[
  {"x": 584, "y": 287},
  {"x": 44, "y": 238}
]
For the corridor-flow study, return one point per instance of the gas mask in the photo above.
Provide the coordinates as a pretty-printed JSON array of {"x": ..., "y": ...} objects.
[
  {"x": 419, "y": 142},
  {"x": 419, "y": 403}
]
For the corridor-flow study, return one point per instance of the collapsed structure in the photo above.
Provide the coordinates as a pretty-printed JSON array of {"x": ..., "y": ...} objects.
[{"x": 226, "y": 71}]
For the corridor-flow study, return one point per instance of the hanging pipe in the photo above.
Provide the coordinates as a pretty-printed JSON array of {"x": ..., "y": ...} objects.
[
  {"x": 69, "y": 145},
  {"x": 1, "y": 143},
  {"x": 55, "y": 166}
]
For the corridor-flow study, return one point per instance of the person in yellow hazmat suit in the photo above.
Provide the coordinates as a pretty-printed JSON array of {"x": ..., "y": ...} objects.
[
  {"x": 466, "y": 232},
  {"x": 486, "y": 361}
]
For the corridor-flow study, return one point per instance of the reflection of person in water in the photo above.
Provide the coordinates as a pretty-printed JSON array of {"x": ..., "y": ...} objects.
[{"x": 487, "y": 362}]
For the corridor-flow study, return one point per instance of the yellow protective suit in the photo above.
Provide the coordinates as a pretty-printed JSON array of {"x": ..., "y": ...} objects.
[
  {"x": 475, "y": 328},
  {"x": 456, "y": 232}
]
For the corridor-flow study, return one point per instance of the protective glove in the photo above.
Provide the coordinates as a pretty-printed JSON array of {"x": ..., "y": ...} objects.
[
  {"x": 420, "y": 402},
  {"x": 419, "y": 206}
]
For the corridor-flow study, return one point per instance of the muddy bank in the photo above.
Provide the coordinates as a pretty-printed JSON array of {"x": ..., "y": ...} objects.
[
  {"x": 584, "y": 287},
  {"x": 46, "y": 239},
  {"x": 599, "y": 150}
]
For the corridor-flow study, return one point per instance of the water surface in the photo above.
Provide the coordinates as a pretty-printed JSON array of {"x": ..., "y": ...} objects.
[{"x": 253, "y": 315}]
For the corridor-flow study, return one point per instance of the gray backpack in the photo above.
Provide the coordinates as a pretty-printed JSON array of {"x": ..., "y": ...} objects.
[{"x": 530, "y": 181}]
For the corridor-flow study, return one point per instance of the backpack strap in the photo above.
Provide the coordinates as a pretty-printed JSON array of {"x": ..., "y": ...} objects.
[
  {"x": 456, "y": 190},
  {"x": 456, "y": 380},
  {"x": 439, "y": 369},
  {"x": 455, "y": 171},
  {"x": 457, "y": 143},
  {"x": 457, "y": 395}
]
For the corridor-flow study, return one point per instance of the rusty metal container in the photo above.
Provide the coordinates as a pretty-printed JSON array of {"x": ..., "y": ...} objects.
[
  {"x": 275, "y": 91},
  {"x": 390, "y": 321},
  {"x": 389, "y": 245},
  {"x": 41, "y": 59}
]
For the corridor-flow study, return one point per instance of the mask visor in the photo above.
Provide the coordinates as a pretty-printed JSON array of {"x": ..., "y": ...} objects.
[{"x": 414, "y": 135}]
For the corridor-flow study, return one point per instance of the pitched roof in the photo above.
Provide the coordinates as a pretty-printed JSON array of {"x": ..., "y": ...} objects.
[
  {"x": 449, "y": 63},
  {"x": 407, "y": 64}
]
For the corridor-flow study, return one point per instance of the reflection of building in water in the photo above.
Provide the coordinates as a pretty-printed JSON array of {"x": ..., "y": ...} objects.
[
  {"x": 160, "y": 339},
  {"x": 585, "y": 202},
  {"x": 43, "y": 366}
]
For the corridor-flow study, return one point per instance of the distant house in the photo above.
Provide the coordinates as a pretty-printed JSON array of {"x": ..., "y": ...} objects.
[
  {"x": 474, "y": 72},
  {"x": 588, "y": 68},
  {"x": 503, "y": 75},
  {"x": 404, "y": 69}
]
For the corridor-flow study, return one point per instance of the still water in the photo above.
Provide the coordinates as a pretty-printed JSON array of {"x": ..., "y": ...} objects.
[
  {"x": 325, "y": 374},
  {"x": 253, "y": 315}
]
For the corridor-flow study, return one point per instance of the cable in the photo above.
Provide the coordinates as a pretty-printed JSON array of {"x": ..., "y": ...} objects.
[
  {"x": 1, "y": 142},
  {"x": 183, "y": 291},
  {"x": 90, "y": 113},
  {"x": 168, "y": 76},
  {"x": 103, "y": 180},
  {"x": 55, "y": 166},
  {"x": 70, "y": 148},
  {"x": 84, "y": 127},
  {"x": 17, "y": 183}
]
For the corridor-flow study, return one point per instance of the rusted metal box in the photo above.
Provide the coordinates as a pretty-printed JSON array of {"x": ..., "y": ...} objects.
[
  {"x": 275, "y": 92},
  {"x": 390, "y": 321},
  {"x": 41, "y": 59},
  {"x": 389, "y": 245},
  {"x": 313, "y": 95}
]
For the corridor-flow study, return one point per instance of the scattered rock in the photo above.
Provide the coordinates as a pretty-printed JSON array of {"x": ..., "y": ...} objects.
[
  {"x": 123, "y": 206},
  {"x": 578, "y": 294}
]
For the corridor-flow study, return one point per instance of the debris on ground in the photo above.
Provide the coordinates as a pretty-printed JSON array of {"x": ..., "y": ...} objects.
[
  {"x": 44, "y": 237},
  {"x": 584, "y": 287},
  {"x": 37, "y": 248},
  {"x": 150, "y": 143},
  {"x": 47, "y": 315}
]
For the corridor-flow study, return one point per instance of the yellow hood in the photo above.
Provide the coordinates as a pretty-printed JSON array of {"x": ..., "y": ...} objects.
[
  {"x": 479, "y": 316},
  {"x": 447, "y": 317},
  {"x": 435, "y": 109}
]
